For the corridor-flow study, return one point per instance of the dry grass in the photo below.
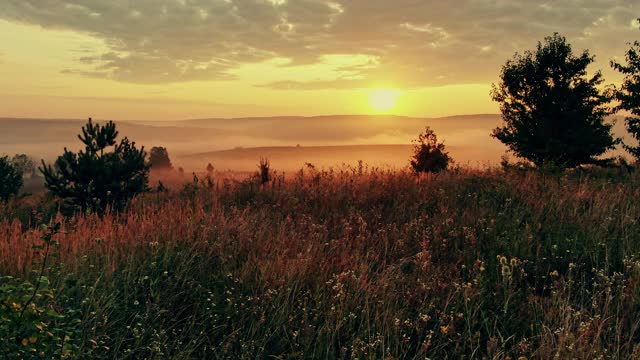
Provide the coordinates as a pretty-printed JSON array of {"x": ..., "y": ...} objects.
[{"x": 359, "y": 264}]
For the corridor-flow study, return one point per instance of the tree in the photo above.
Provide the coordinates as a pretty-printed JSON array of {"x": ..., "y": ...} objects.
[
  {"x": 159, "y": 158},
  {"x": 210, "y": 169},
  {"x": 26, "y": 164},
  {"x": 629, "y": 93},
  {"x": 10, "y": 178},
  {"x": 429, "y": 156},
  {"x": 95, "y": 179},
  {"x": 554, "y": 112}
]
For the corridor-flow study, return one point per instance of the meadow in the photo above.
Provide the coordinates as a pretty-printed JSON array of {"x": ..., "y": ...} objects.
[{"x": 338, "y": 264}]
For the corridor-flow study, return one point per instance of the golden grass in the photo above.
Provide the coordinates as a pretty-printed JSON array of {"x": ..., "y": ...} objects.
[{"x": 379, "y": 264}]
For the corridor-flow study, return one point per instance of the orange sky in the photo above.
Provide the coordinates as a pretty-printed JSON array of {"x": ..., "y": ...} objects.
[{"x": 175, "y": 59}]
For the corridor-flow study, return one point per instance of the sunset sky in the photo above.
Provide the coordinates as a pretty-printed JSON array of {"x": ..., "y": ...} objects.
[{"x": 176, "y": 59}]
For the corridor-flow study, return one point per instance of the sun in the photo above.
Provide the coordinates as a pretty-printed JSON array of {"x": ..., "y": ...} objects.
[{"x": 383, "y": 100}]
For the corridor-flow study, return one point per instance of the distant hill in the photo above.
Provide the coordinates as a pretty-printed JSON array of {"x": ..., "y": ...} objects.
[
  {"x": 467, "y": 136},
  {"x": 292, "y": 158}
]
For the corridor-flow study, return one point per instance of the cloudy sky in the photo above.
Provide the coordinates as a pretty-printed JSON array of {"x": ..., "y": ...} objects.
[{"x": 171, "y": 59}]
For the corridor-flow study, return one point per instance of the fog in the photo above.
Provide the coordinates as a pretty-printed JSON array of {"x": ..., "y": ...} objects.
[{"x": 289, "y": 142}]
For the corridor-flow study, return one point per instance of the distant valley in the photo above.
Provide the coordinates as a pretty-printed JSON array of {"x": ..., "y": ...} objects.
[{"x": 289, "y": 142}]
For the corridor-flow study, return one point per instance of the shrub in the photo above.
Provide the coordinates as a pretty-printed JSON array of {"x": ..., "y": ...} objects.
[
  {"x": 264, "y": 173},
  {"x": 429, "y": 156}
]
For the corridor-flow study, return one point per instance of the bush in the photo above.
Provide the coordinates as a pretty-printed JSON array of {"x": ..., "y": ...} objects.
[
  {"x": 429, "y": 156},
  {"x": 264, "y": 173}
]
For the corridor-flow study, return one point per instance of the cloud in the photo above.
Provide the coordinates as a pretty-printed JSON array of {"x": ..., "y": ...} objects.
[{"x": 417, "y": 43}]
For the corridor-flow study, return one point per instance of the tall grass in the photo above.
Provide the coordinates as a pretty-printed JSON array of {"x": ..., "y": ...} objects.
[{"x": 355, "y": 264}]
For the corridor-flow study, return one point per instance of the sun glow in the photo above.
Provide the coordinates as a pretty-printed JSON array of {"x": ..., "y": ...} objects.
[{"x": 383, "y": 100}]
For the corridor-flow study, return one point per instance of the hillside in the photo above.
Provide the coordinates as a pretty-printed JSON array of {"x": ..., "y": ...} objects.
[
  {"x": 275, "y": 137},
  {"x": 292, "y": 158}
]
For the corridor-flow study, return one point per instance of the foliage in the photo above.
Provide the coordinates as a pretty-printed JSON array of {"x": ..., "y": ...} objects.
[
  {"x": 10, "y": 179},
  {"x": 34, "y": 325},
  {"x": 629, "y": 93},
  {"x": 429, "y": 156},
  {"x": 553, "y": 112},
  {"x": 25, "y": 164},
  {"x": 95, "y": 179},
  {"x": 343, "y": 265},
  {"x": 159, "y": 158}
]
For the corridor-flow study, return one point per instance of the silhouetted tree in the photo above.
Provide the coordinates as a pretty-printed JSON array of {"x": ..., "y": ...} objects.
[
  {"x": 629, "y": 93},
  {"x": 95, "y": 178},
  {"x": 210, "y": 169},
  {"x": 159, "y": 158},
  {"x": 26, "y": 164},
  {"x": 554, "y": 112},
  {"x": 10, "y": 178},
  {"x": 429, "y": 156}
]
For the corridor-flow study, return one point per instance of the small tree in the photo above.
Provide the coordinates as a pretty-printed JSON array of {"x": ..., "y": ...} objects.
[
  {"x": 26, "y": 164},
  {"x": 10, "y": 179},
  {"x": 629, "y": 93},
  {"x": 95, "y": 179},
  {"x": 210, "y": 169},
  {"x": 429, "y": 156},
  {"x": 159, "y": 158},
  {"x": 553, "y": 112}
]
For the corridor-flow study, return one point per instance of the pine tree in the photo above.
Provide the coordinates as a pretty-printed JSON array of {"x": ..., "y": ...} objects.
[
  {"x": 95, "y": 179},
  {"x": 10, "y": 178}
]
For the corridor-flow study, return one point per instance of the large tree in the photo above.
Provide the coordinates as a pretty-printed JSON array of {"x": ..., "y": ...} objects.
[
  {"x": 553, "y": 111},
  {"x": 10, "y": 178},
  {"x": 95, "y": 178},
  {"x": 629, "y": 93}
]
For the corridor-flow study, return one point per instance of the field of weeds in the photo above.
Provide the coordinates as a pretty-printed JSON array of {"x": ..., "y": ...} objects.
[{"x": 328, "y": 265}]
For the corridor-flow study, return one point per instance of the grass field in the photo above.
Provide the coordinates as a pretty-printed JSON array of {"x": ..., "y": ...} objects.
[{"x": 337, "y": 264}]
